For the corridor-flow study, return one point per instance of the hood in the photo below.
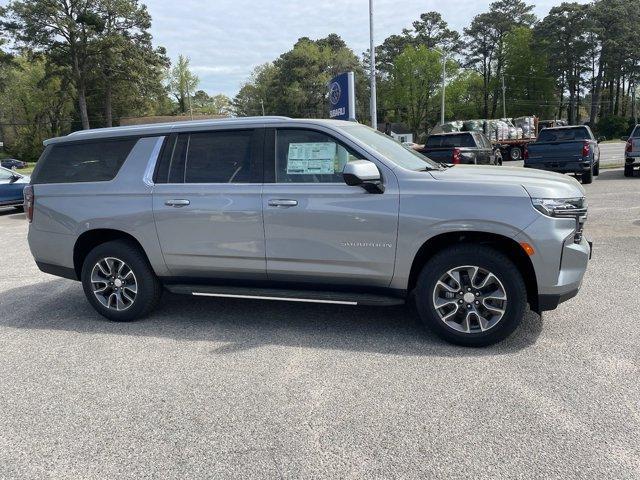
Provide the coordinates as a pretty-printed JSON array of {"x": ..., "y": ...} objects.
[{"x": 537, "y": 183}]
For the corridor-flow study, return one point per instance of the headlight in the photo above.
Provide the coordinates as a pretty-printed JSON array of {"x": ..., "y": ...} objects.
[{"x": 561, "y": 207}]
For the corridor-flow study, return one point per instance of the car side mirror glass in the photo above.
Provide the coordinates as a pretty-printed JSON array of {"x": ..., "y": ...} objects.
[
  {"x": 365, "y": 174},
  {"x": 14, "y": 178}
]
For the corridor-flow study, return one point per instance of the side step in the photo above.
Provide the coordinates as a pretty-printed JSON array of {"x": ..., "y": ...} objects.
[{"x": 310, "y": 296}]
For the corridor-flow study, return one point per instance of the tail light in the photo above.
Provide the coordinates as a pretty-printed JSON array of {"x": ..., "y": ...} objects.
[
  {"x": 628, "y": 147},
  {"x": 29, "y": 200},
  {"x": 586, "y": 148},
  {"x": 455, "y": 157}
]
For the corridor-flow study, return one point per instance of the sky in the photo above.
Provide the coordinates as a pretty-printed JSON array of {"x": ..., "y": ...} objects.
[{"x": 226, "y": 39}]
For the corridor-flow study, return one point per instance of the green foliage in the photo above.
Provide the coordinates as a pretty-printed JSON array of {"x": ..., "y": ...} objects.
[
  {"x": 34, "y": 106},
  {"x": 613, "y": 127},
  {"x": 182, "y": 83},
  {"x": 414, "y": 84},
  {"x": 296, "y": 83}
]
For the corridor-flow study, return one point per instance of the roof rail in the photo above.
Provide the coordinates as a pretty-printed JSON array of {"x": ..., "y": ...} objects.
[{"x": 142, "y": 126}]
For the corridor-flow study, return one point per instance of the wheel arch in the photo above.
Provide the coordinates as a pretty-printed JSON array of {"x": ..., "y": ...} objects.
[
  {"x": 90, "y": 239},
  {"x": 511, "y": 248}
]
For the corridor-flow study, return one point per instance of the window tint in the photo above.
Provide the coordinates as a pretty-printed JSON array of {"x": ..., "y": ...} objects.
[
  {"x": 563, "y": 134},
  {"x": 462, "y": 140},
  {"x": 219, "y": 157},
  {"x": 305, "y": 156},
  {"x": 636, "y": 132},
  {"x": 97, "y": 161},
  {"x": 434, "y": 141}
]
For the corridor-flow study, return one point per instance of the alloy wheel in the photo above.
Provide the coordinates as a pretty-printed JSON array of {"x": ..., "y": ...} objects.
[
  {"x": 470, "y": 299},
  {"x": 114, "y": 284}
]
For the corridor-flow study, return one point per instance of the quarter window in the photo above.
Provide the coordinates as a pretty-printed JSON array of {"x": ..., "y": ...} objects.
[
  {"x": 306, "y": 156},
  {"x": 96, "y": 161}
]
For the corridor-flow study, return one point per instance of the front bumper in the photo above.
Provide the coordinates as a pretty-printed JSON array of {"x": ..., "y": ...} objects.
[{"x": 559, "y": 262}]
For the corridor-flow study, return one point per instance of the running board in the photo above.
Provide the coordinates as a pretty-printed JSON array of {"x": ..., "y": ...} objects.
[{"x": 308, "y": 296}]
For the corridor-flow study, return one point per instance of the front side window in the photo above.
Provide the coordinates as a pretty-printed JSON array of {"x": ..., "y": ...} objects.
[{"x": 306, "y": 156}]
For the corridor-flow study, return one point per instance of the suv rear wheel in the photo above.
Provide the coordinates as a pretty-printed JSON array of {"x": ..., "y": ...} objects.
[
  {"x": 471, "y": 295},
  {"x": 119, "y": 282},
  {"x": 587, "y": 177}
]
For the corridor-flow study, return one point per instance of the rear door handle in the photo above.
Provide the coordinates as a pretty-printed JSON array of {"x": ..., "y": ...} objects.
[
  {"x": 282, "y": 202},
  {"x": 177, "y": 203}
]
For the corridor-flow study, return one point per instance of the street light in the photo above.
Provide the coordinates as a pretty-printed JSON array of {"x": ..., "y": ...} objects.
[
  {"x": 372, "y": 60},
  {"x": 444, "y": 78}
]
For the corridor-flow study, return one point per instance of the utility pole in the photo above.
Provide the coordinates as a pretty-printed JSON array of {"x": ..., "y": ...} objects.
[
  {"x": 262, "y": 104},
  {"x": 504, "y": 103},
  {"x": 633, "y": 104},
  {"x": 372, "y": 59},
  {"x": 444, "y": 80}
]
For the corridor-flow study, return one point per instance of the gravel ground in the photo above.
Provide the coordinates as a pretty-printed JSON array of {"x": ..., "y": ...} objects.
[{"x": 217, "y": 388}]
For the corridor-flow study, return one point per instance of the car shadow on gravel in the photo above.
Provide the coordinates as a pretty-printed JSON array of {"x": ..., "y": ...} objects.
[{"x": 234, "y": 325}]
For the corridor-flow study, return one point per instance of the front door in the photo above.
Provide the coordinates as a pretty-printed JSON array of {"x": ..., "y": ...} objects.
[
  {"x": 207, "y": 205},
  {"x": 317, "y": 228}
]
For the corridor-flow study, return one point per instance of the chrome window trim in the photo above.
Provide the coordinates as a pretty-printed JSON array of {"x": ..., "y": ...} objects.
[{"x": 153, "y": 160}]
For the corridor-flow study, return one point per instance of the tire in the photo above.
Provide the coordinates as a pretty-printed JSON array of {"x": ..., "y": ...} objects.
[
  {"x": 596, "y": 170},
  {"x": 587, "y": 177},
  {"x": 126, "y": 305},
  {"x": 470, "y": 256},
  {"x": 628, "y": 170},
  {"x": 515, "y": 153}
]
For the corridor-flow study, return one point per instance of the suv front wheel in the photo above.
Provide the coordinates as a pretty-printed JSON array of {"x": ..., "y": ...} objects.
[
  {"x": 119, "y": 282},
  {"x": 471, "y": 295}
]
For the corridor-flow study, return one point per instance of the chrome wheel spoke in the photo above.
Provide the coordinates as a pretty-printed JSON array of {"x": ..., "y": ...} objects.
[
  {"x": 461, "y": 300},
  {"x": 114, "y": 283}
]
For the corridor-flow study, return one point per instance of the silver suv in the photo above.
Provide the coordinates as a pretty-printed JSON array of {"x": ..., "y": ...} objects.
[{"x": 304, "y": 211}]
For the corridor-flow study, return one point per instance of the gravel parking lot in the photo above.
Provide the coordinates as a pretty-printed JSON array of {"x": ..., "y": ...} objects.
[{"x": 221, "y": 388}]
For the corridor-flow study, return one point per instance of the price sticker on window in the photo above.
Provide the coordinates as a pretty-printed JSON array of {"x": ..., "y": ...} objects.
[{"x": 311, "y": 158}]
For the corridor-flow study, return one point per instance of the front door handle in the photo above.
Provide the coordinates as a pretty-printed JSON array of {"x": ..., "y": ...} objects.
[
  {"x": 282, "y": 202},
  {"x": 177, "y": 203}
]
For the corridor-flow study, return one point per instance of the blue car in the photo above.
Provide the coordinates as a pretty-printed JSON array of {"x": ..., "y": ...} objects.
[{"x": 11, "y": 186}]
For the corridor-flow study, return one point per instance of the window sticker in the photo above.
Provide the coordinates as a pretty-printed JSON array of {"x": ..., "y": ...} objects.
[{"x": 311, "y": 158}]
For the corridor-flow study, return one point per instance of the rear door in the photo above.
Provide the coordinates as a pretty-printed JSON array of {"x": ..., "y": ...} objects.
[
  {"x": 207, "y": 205},
  {"x": 317, "y": 228}
]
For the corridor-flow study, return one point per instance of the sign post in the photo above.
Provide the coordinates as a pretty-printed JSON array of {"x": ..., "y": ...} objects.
[{"x": 342, "y": 97}]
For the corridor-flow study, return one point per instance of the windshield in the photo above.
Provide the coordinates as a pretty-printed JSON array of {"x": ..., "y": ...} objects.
[{"x": 391, "y": 149}]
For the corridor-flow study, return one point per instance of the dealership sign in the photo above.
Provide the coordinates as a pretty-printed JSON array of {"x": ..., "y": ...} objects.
[{"x": 342, "y": 97}]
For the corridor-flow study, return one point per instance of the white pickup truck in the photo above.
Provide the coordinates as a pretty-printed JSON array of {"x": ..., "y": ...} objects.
[{"x": 632, "y": 152}]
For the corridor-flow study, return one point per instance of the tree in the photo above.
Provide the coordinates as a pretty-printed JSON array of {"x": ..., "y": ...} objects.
[
  {"x": 485, "y": 42},
  {"x": 182, "y": 82},
  {"x": 126, "y": 58},
  {"x": 204, "y": 104},
  {"x": 414, "y": 85},
  {"x": 296, "y": 83},
  {"x": 529, "y": 85},
  {"x": 34, "y": 105},
  {"x": 65, "y": 31}
]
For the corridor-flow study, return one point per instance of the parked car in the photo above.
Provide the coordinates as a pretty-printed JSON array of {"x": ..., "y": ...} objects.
[
  {"x": 571, "y": 149},
  {"x": 11, "y": 186},
  {"x": 460, "y": 148},
  {"x": 317, "y": 211},
  {"x": 632, "y": 152},
  {"x": 12, "y": 163}
]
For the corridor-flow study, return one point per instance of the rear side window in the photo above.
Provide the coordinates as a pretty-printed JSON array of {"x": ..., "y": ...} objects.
[
  {"x": 98, "y": 161},
  {"x": 434, "y": 141},
  {"x": 636, "y": 132},
  {"x": 224, "y": 156}
]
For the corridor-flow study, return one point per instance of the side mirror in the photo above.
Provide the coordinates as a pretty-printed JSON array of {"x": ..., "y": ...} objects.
[
  {"x": 14, "y": 178},
  {"x": 365, "y": 174}
]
